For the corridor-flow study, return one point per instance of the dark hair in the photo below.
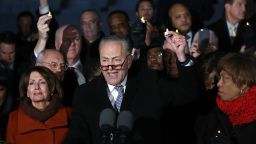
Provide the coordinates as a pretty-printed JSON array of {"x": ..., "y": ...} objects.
[
  {"x": 119, "y": 12},
  {"x": 8, "y": 37},
  {"x": 26, "y": 14},
  {"x": 140, "y": 1},
  {"x": 241, "y": 67},
  {"x": 228, "y": 1},
  {"x": 51, "y": 79},
  {"x": 93, "y": 11}
]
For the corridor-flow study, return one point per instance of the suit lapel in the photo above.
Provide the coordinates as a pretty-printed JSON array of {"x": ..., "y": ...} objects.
[
  {"x": 102, "y": 93},
  {"x": 130, "y": 93},
  {"x": 225, "y": 30}
]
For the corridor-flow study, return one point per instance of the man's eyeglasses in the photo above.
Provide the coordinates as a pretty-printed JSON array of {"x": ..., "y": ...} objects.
[
  {"x": 155, "y": 55},
  {"x": 114, "y": 67},
  {"x": 54, "y": 65}
]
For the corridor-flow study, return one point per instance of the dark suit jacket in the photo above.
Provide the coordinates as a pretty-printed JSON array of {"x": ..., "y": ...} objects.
[
  {"x": 208, "y": 126},
  {"x": 146, "y": 96},
  {"x": 221, "y": 30}
]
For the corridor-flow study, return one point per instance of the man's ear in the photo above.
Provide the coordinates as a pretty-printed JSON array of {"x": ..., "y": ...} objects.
[
  {"x": 227, "y": 6},
  {"x": 130, "y": 59}
]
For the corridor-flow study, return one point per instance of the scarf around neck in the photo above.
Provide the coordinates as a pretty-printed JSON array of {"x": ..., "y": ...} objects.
[
  {"x": 241, "y": 110},
  {"x": 42, "y": 116}
]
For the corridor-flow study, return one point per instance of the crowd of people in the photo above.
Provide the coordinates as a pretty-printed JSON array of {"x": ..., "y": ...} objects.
[{"x": 181, "y": 81}]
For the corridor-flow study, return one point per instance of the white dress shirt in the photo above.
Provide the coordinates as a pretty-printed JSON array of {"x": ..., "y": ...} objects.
[
  {"x": 230, "y": 28},
  {"x": 113, "y": 93}
]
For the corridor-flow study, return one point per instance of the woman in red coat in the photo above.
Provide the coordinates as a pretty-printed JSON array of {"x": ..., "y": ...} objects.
[
  {"x": 40, "y": 118},
  {"x": 233, "y": 121}
]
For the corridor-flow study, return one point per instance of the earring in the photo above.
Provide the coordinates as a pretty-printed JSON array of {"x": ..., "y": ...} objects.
[{"x": 241, "y": 91}]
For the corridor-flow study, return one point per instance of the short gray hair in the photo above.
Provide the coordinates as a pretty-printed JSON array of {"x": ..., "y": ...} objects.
[{"x": 116, "y": 38}]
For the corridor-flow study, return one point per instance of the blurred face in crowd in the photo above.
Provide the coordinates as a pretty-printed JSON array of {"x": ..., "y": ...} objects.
[
  {"x": 38, "y": 90},
  {"x": 116, "y": 61},
  {"x": 54, "y": 60},
  {"x": 71, "y": 44},
  {"x": 170, "y": 64},
  {"x": 91, "y": 25},
  {"x": 227, "y": 89},
  {"x": 25, "y": 23},
  {"x": 7, "y": 52},
  {"x": 145, "y": 10},
  {"x": 119, "y": 25},
  {"x": 155, "y": 58},
  {"x": 180, "y": 18},
  {"x": 236, "y": 10}
]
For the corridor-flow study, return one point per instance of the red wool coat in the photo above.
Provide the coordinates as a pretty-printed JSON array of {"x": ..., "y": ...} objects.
[{"x": 22, "y": 129}]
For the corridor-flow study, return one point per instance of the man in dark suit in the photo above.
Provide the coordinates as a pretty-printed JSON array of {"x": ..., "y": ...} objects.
[
  {"x": 181, "y": 20},
  {"x": 229, "y": 27},
  {"x": 145, "y": 95},
  {"x": 90, "y": 22}
]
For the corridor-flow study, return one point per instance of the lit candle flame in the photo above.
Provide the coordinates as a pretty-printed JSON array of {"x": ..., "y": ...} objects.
[
  {"x": 166, "y": 31},
  {"x": 248, "y": 24},
  {"x": 142, "y": 19},
  {"x": 49, "y": 13}
]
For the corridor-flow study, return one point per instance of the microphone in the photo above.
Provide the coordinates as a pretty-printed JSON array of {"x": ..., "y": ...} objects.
[
  {"x": 124, "y": 126},
  {"x": 107, "y": 125}
]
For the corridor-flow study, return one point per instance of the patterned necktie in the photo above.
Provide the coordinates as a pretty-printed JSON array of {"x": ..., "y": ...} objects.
[
  {"x": 233, "y": 33},
  {"x": 187, "y": 44},
  {"x": 118, "y": 102}
]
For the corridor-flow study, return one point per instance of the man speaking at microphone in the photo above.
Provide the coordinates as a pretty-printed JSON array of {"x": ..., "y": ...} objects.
[{"x": 144, "y": 94}]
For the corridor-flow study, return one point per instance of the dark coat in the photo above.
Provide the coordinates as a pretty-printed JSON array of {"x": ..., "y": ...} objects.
[
  {"x": 90, "y": 56},
  {"x": 221, "y": 30},
  {"x": 215, "y": 128},
  {"x": 146, "y": 97}
]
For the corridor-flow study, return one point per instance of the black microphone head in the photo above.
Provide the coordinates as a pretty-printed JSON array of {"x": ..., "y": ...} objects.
[
  {"x": 125, "y": 120},
  {"x": 107, "y": 118}
]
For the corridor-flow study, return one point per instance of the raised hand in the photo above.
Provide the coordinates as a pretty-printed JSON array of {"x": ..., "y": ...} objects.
[
  {"x": 194, "y": 50},
  {"x": 43, "y": 29},
  {"x": 176, "y": 43},
  {"x": 43, "y": 26},
  {"x": 149, "y": 32}
]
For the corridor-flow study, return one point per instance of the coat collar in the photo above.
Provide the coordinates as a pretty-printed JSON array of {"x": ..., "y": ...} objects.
[{"x": 27, "y": 124}]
